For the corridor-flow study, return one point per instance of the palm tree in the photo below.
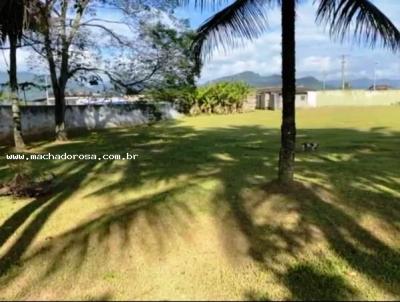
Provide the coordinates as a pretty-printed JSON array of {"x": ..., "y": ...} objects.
[
  {"x": 246, "y": 20},
  {"x": 12, "y": 16}
]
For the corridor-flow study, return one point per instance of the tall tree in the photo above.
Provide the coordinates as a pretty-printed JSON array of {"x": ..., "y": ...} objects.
[
  {"x": 12, "y": 17},
  {"x": 161, "y": 60},
  {"x": 62, "y": 20},
  {"x": 75, "y": 42},
  {"x": 246, "y": 20}
]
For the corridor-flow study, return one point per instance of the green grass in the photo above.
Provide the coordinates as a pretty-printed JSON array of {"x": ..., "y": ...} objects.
[{"x": 198, "y": 215}]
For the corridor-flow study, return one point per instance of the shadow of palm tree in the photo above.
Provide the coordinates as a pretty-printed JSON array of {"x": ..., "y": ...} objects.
[
  {"x": 44, "y": 207},
  {"x": 241, "y": 160},
  {"x": 308, "y": 283}
]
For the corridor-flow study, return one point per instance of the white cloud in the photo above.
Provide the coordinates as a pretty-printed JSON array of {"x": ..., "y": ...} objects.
[
  {"x": 312, "y": 63},
  {"x": 315, "y": 51}
]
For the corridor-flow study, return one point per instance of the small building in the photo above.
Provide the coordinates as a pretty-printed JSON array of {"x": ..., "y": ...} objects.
[{"x": 271, "y": 98}]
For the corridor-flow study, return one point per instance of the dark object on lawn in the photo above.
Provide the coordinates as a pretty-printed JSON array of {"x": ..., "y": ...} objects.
[
  {"x": 23, "y": 186},
  {"x": 310, "y": 146}
]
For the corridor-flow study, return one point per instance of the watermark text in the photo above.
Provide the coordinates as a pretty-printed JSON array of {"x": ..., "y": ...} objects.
[{"x": 66, "y": 156}]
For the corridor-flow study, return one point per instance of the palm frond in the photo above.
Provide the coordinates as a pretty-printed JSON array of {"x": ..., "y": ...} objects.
[
  {"x": 12, "y": 15},
  {"x": 18, "y": 15},
  {"x": 362, "y": 19},
  {"x": 2, "y": 5},
  {"x": 230, "y": 27},
  {"x": 204, "y": 4}
]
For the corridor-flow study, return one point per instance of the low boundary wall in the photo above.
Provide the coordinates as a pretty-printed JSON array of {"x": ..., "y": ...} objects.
[{"x": 39, "y": 119}]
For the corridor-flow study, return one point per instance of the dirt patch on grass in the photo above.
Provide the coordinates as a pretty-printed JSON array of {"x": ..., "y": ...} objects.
[{"x": 22, "y": 185}]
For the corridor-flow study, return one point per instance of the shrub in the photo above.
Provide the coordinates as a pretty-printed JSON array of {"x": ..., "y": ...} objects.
[
  {"x": 219, "y": 98},
  {"x": 224, "y": 97}
]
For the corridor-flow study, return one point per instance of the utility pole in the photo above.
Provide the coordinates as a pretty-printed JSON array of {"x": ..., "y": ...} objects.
[
  {"x": 376, "y": 63},
  {"x": 324, "y": 79},
  {"x": 343, "y": 71}
]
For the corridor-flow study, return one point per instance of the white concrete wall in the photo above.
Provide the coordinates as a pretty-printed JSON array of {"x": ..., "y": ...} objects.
[
  {"x": 302, "y": 100},
  {"x": 37, "y": 120},
  {"x": 274, "y": 100},
  {"x": 358, "y": 98},
  {"x": 312, "y": 98}
]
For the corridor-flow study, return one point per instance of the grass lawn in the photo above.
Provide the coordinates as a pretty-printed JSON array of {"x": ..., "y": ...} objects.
[{"x": 196, "y": 216}]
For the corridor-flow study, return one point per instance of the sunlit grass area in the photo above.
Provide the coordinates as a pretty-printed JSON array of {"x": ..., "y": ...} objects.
[{"x": 198, "y": 216}]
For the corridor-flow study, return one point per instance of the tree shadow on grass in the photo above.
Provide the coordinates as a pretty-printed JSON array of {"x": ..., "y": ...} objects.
[
  {"x": 45, "y": 206},
  {"x": 252, "y": 295},
  {"x": 332, "y": 211},
  {"x": 353, "y": 243},
  {"x": 275, "y": 221},
  {"x": 39, "y": 210},
  {"x": 306, "y": 282},
  {"x": 155, "y": 212}
]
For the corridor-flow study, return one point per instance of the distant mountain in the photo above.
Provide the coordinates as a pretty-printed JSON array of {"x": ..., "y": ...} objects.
[
  {"x": 247, "y": 76},
  {"x": 22, "y": 77},
  {"x": 257, "y": 80},
  {"x": 35, "y": 93},
  {"x": 311, "y": 82}
]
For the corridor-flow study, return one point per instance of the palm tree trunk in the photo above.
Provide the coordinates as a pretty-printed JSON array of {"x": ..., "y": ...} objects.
[
  {"x": 288, "y": 128},
  {"x": 16, "y": 113}
]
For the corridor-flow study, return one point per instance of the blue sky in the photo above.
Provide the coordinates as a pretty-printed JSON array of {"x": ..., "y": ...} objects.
[{"x": 316, "y": 52}]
